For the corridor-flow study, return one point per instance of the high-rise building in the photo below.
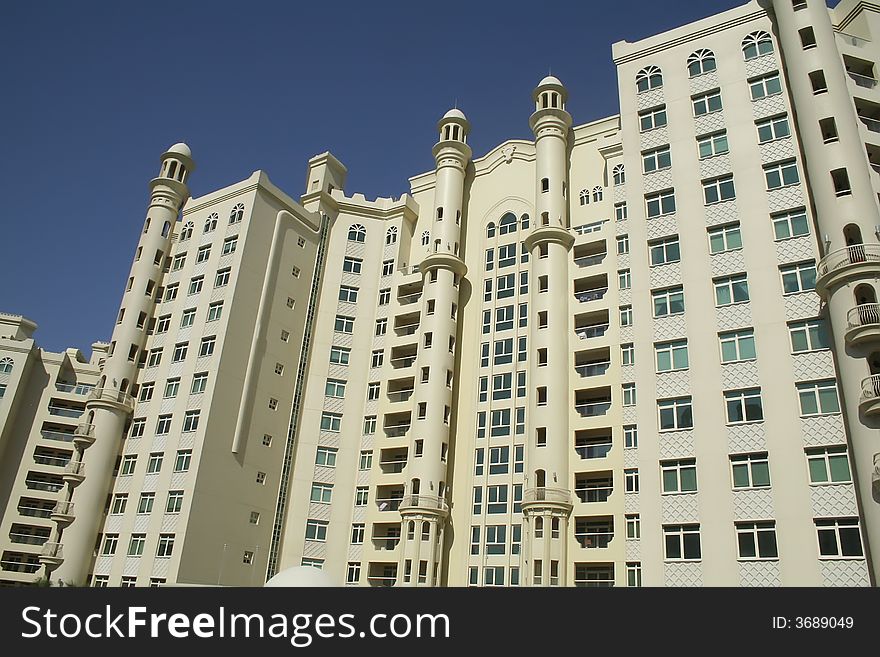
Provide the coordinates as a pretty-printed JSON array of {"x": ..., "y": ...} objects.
[{"x": 643, "y": 350}]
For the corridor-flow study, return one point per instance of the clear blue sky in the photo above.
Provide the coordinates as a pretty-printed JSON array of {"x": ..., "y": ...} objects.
[{"x": 93, "y": 92}]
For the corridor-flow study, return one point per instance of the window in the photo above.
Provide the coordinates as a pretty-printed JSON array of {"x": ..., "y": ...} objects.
[
  {"x": 154, "y": 464},
  {"x": 649, "y": 78},
  {"x": 334, "y": 388},
  {"x": 627, "y": 354},
  {"x": 203, "y": 253},
  {"x": 631, "y": 480},
  {"x": 622, "y": 244},
  {"x": 191, "y": 421},
  {"x": 756, "y": 44},
  {"x": 339, "y": 355},
  {"x": 620, "y": 211},
  {"x": 626, "y": 315},
  {"x": 668, "y": 302},
  {"x": 675, "y": 414},
  {"x": 781, "y": 174},
  {"x": 321, "y": 493},
  {"x": 800, "y": 277},
  {"x": 671, "y": 356},
  {"x": 316, "y": 530},
  {"x": 656, "y": 159},
  {"x": 660, "y": 203},
  {"x": 369, "y": 425},
  {"x": 426, "y": 238},
  {"x": 199, "y": 383},
  {"x": 839, "y": 537},
  {"x": 584, "y": 197},
  {"x": 391, "y": 236},
  {"x": 840, "y": 180},
  {"x": 633, "y": 527},
  {"x": 772, "y": 129},
  {"x": 344, "y": 324},
  {"x": 166, "y": 545},
  {"x": 743, "y": 406},
  {"x": 155, "y": 357},
  {"x": 174, "y": 503},
  {"x": 664, "y": 251},
  {"x": 500, "y": 422},
  {"x": 490, "y": 259},
  {"x": 707, "y": 103},
  {"x": 178, "y": 262},
  {"x": 180, "y": 351},
  {"x": 496, "y": 499},
  {"x": 750, "y": 470},
  {"x": 712, "y": 145},
  {"x": 507, "y": 255},
  {"x": 163, "y": 324},
  {"x": 387, "y": 267},
  {"x": 206, "y": 347},
  {"x": 506, "y": 286},
  {"x": 163, "y": 425},
  {"x": 237, "y": 213},
  {"x": 756, "y": 540},
  {"x": 767, "y": 85},
  {"x": 381, "y": 326},
  {"x": 503, "y": 351},
  {"x": 136, "y": 545},
  {"x": 817, "y": 81},
  {"x": 229, "y": 245},
  {"x": 138, "y": 426},
  {"x": 504, "y": 318},
  {"x": 352, "y": 265},
  {"x": 195, "y": 284},
  {"x": 110, "y": 543},
  {"x": 702, "y": 61},
  {"x": 145, "y": 503},
  {"x": 181, "y": 464},
  {"x": 215, "y": 310},
  {"x": 119, "y": 502},
  {"x": 188, "y": 318},
  {"x": 171, "y": 292},
  {"x": 357, "y": 233},
  {"x": 630, "y": 436},
  {"x": 649, "y": 119},
  {"x": 358, "y": 531},
  {"x": 681, "y": 542},
  {"x": 629, "y": 394},
  {"x": 718, "y": 190},
  {"x": 285, "y": 335},
  {"x": 146, "y": 392},
  {"x": 737, "y": 345},
  {"x": 828, "y": 465},
  {"x": 808, "y": 335},
  {"x": 725, "y": 238},
  {"x": 348, "y": 294},
  {"x": 496, "y": 540},
  {"x": 373, "y": 391},
  {"x": 731, "y": 289},
  {"x": 679, "y": 476},
  {"x": 366, "y": 460},
  {"x": 818, "y": 397},
  {"x": 331, "y": 421},
  {"x": 792, "y": 223},
  {"x": 128, "y": 463},
  {"x": 502, "y": 386}
]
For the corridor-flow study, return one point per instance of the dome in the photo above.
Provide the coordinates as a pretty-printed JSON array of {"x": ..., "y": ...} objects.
[
  {"x": 182, "y": 149},
  {"x": 551, "y": 80},
  {"x": 301, "y": 576},
  {"x": 454, "y": 113}
]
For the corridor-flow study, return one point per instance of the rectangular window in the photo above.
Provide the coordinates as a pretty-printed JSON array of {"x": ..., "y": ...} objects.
[
  {"x": 669, "y": 301},
  {"x": 656, "y": 159},
  {"x": 828, "y": 465},
  {"x": 503, "y": 351},
  {"x": 743, "y": 406},
  {"x": 681, "y": 542},
  {"x": 502, "y": 386},
  {"x": 369, "y": 425},
  {"x": 627, "y": 354},
  {"x": 781, "y": 174},
  {"x": 195, "y": 284},
  {"x": 344, "y": 324},
  {"x": 188, "y": 317},
  {"x": 712, "y": 145},
  {"x": 339, "y": 355},
  {"x": 630, "y": 436},
  {"x": 633, "y": 527},
  {"x": 626, "y": 315},
  {"x": 523, "y": 282},
  {"x": 171, "y": 292},
  {"x": 203, "y": 253},
  {"x": 499, "y": 460},
  {"x": 145, "y": 503},
  {"x": 671, "y": 356},
  {"x": 191, "y": 420},
  {"x": 506, "y": 286},
  {"x": 496, "y": 499},
  {"x": 624, "y": 279},
  {"x": 384, "y": 296},
  {"x": 174, "y": 502},
  {"x": 166, "y": 545},
  {"x": 119, "y": 502},
  {"x": 679, "y": 476},
  {"x": 818, "y": 397},
  {"x": 334, "y": 388},
  {"x": 180, "y": 351},
  {"x": 767, "y": 85},
  {"x": 839, "y": 537},
  {"x": 800, "y": 277},
  {"x": 808, "y": 335},
  {"x": 163, "y": 425},
  {"x": 206, "y": 348},
  {"x": 331, "y": 421},
  {"x": 316, "y": 530},
  {"x": 136, "y": 545},
  {"x": 772, "y": 129},
  {"x": 178, "y": 262},
  {"x": 490, "y": 259},
  {"x": 756, "y": 540},
  {"x": 496, "y": 540},
  {"x": 792, "y": 223},
  {"x": 110, "y": 543},
  {"x": 631, "y": 480},
  {"x": 222, "y": 278},
  {"x": 171, "y": 388},
  {"x": 229, "y": 245},
  {"x": 620, "y": 211},
  {"x": 487, "y": 291},
  {"x": 622, "y": 244},
  {"x": 199, "y": 383},
  {"x": 731, "y": 289},
  {"x": 707, "y": 102},
  {"x": 652, "y": 118},
  {"x": 750, "y": 470},
  {"x": 507, "y": 255},
  {"x": 215, "y": 310},
  {"x": 675, "y": 414},
  {"x": 321, "y": 493},
  {"x": 352, "y": 265},
  {"x": 660, "y": 203},
  {"x": 628, "y": 394},
  {"x": 182, "y": 462},
  {"x": 155, "y": 357},
  {"x": 737, "y": 345},
  {"x": 718, "y": 190},
  {"x": 138, "y": 427},
  {"x": 664, "y": 251},
  {"x": 326, "y": 456},
  {"x": 504, "y": 316},
  {"x": 163, "y": 324},
  {"x": 725, "y": 238},
  {"x": 154, "y": 464},
  {"x": 348, "y": 294},
  {"x": 146, "y": 393}
]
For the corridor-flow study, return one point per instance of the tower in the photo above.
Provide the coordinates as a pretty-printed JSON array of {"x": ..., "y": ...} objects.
[
  {"x": 547, "y": 499},
  {"x": 849, "y": 224},
  {"x": 424, "y": 510},
  {"x": 110, "y": 405}
]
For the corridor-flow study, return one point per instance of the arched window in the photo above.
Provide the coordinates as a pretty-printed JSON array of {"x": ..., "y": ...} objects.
[
  {"x": 618, "y": 174},
  {"x": 357, "y": 233},
  {"x": 597, "y": 194},
  {"x": 701, "y": 62},
  {"x": 524, "y": 221},
  {"x": 426, "y": 238},
  {"x": 585, "y": 197},
  {"x": 147, "y": 225},
  {"x": 507, "y": 224},
  {"x": 391, "y": 236},
  {"x": 490, "y": 229},
  {"x": 5, "y": 365},
  {"x": 757, "y": 44},
  {"x": 166, "y": 228},
  {"x": 211, "y": 222},
  {"x": 649, "y": 78},
  {"x": 237, "y": 213},
  {"x": 187, "y": 231}
]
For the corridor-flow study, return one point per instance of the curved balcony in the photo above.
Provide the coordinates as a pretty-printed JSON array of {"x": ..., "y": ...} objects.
[
  {"x": 869, "y": 404},
  {"x": 112, "y": 398},
  {"x": 847, "y": 264},
  {"x": 63, "y": 513},
  {"x": 863, "y": 324},
  {"x": 51, "y": 555},
  {"x": 419, "y": 502},
  {"x": 541, "y": 496},
  {"x": 74, "y": 473},
  {"x": 84, "y": 435}
]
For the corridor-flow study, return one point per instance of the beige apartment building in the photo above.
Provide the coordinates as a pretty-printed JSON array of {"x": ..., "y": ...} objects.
[{"x": 643, "y": 350}]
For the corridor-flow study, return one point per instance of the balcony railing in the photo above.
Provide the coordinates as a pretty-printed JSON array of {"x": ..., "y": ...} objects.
[
  {"x": 409, "y": 298},
  {"x": 117, "y": 396},
  {"x": 381, "y": 543},
  {"x": 590, "y": 540},
  {"x": 543, "y": 494},
  {"x": 50, "y": 486},
  {"x": 392, "y": 467},
  {"x": 594, "y": 331},
  {"x": 54, "y": 461},
  {"x": 594, "y": 494},
  {"x": 381, "y": 580},
  {"x": 594, "y": 451},
  {"x": 587, "y": 261},
  {"x": 865, "y": 314},
  {"x": 871, "y": 124},
  {"x": 412, "y": 269},
  {"x": 583, "y": 229},
  {"x": 400, "y": 395},
  {"x": 27, "y": 539},
  {"x": 863, "y": 80},
  {"x": 403, "y": 361},
  {"x": 593, "y": 369},
  {"x": 75, "y": 469},
  {"x": 62, "y": 436},
  {"x": 594, "y": 583},
  {"x": 848, "y": 255},
  {"x": 75, "y": 388},
  {"x": 52, "y": 551},
  {"x": 407, "y": 329},
  {"x": 424, "y": 502},
  {"x": 35, "y": 511},
  {"x": 63, "y": 508},
  {"x": 591, "y": 295},
  {"x": 388, "y": 503},
  {"x": 871, "y": 387},
  {"x": 12, "y": 566},
  {"x": 64, "y": 411},
  {"x": 396, "y": 430},
  {"x": 592, "y": 409}
]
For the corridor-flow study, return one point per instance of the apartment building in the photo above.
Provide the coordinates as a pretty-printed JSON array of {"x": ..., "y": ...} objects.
[{"x": 637, "y": 351}]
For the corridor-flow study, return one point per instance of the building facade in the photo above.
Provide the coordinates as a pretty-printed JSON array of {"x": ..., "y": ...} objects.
[{"x": 639, "y": 351}]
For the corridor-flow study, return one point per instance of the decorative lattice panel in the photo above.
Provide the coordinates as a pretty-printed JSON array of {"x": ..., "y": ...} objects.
[
  {"x": 796, "y": 249},
  {"x": 649, "y": 99},
  {"x": 743, "y": 374},
  {"x": 727, "y": 262},
  {"x": 654, "y": 182},
  {"x": 684, "y": 574},
  {"x": 844, "y": 573},
  {"x": 718, "y": 165},
  {"x": 674, "y": 444},
  {"x": 734, "y": 316},
  {"x": 813, "y": 365},
  {"x": 680, "y": 508},
  {"x": 709, "y": 123},
  {"x": 746, "y": 438},
  {"x": 759, "y": 573},
  {"x": 804, "y": 305},
  {"x": 667, "y": 328},
  {"x": 753, "y": 504},
  {"x": 721, "y": 213},
  {"x": 778, "y": 149},
  {"x": 833, "y": 500},
  {"x": 823, "y": 430},
  {"x": 785, "y": 198},
  {"x": 673, "y": 384}
]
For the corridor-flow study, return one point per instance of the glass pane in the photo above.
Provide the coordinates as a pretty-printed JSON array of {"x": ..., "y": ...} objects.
[
  {"x": 734, "y": 239},
  {"x": 828, "y": 400},
  {"x": 716, "y": 242},
  {"x": 728, "y": 351},
  {"x": 818, "y": 473},
  {"x": 680, "y": 358},
  {"x": 850, "y": 542},
  {"x": 722, "y": 294},
  {"x": 747, "y": 347},
  {"x": 689, "y": 479},
  {"x": 767, "y": 543},
  {"x": 673, "y": 546},
  {"x": 740, "y": 476},
  {"x": 799, "y": 340},
  {"x": 799, "y": 225},
  {"x": 746, "y": 545},
  {"x": 670, "y": 481},
  {"x": 663, "y": 361},
  {"x": 692, "y": 546},
  {"x": 808, "y": 402},
  {"x": 761, "y": 474},
  {"x": 839, "y": 467},
  {"x": 827, "y": 542},
  {"x": 740, "y": 291}
]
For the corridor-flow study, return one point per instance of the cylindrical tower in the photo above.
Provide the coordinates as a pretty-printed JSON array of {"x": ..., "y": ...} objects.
[
  {"x": 848, "y": 276},
  {"x": 424, "y": 509},
  {"x": 547, "y": 498},
  {"x": 109, "y": 406}
]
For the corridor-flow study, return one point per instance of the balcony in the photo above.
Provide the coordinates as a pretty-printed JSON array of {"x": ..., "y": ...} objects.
[
  {"x": 64, "y": 411},
  {"x": 393, "y": 461},
  {"x": 866, "y": 81},
  {"x": 402, "y": 395},
  {"x": 591, "y": 325},
  {"x": 402, "y": 330},
  {"x": 869, "y": 403},
  {"x": 597, "y": 368},
  {"x": 858, "y": 261},
  {"x": 541, "y": 495},
  {"x": 594, "y": 533},
  {"x": 115, "y": 398},
  {"x": 84, "y": 435},
  {"x": 420, "y": 501},
  {"x": 403, "y": 356},
  {"x": 593, "y": 402},
  {"x": 587, "y": 255},
  {"x": 51, "y": 554},
  {"x": 382, "y": 575},
  {"x": 388, "y": 498},
  {"x": 412, "y": 269},
  {"x": 35, "y": 508},
  {"x": 74, "y": 473},
  {"x": 592, "y": 443},
  {"x": 44, "y": 482},
  {"x": 851, "y": 40},
  {"x": 593, "y": 487},
  {"x": 19, "y": 562},
  {"x": 863, "y": 324},
  {"x": 20, "y": 535},
  {"x": 594, "y": 575},
  {"x": 74, "y": 388},
  {"x": 860, "y": 71},
  {"x": 386, "y": 536},
  {"x": 52, "y": 459},
  {"x": 60, "y": 436},
  {"x": 63, "y": 513}
]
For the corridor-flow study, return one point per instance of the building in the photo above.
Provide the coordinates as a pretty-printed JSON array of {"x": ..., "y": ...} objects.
[{"x": 639, "y": 351}]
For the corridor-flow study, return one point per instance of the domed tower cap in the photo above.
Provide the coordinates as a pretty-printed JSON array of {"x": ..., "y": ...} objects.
[
  {"x": 181, "y": 149},
  {"x": 551, "y": 82},
  {"x": 454, "y": 113},
  {"x": 452, "y": 118}
]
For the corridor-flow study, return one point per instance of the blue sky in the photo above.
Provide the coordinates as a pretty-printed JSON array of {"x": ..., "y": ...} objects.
[{"x": 95, "y": 91}]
